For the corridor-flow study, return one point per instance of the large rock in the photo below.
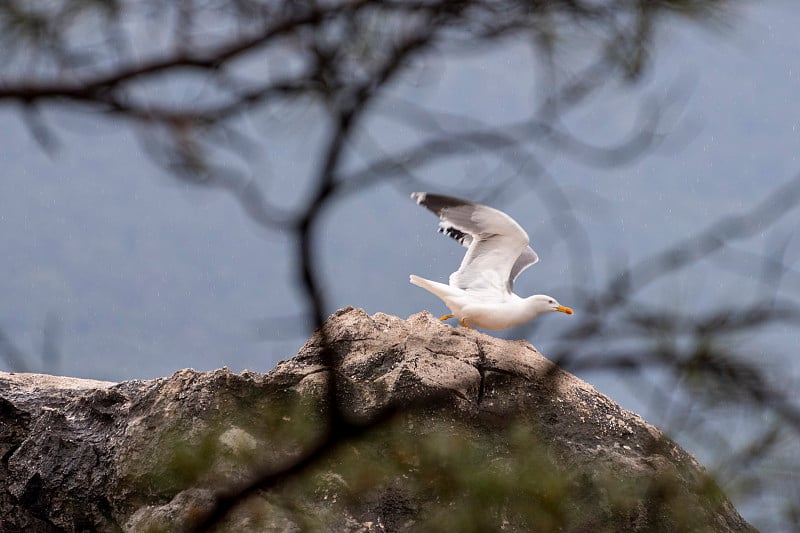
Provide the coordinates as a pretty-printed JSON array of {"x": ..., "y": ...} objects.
[{"x": 505, "y": 440}]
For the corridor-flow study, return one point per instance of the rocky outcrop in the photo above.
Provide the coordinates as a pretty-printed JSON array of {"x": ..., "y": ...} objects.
[{"x": 511, "y": 442}]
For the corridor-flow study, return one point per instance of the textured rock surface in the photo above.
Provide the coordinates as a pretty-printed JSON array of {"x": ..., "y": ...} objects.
[{"x": 81, "y": 455}]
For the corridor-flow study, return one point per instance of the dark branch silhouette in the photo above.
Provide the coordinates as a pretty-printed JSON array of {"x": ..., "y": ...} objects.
[{"x": 344, "y": 56}]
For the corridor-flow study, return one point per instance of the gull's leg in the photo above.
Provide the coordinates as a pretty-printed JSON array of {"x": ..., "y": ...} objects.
[
  {"x": 461, "y": 321},
  {"x": 446, "y": 317}
]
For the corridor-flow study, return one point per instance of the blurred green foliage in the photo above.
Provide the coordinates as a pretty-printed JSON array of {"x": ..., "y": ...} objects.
[{"x": 431, "y": 472}]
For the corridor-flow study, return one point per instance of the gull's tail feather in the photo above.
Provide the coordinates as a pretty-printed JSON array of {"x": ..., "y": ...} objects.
[{"x": 439, "y": 289}]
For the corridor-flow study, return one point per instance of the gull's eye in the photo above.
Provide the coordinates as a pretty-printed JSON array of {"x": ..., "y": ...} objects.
[{"x": 551, "y": 301}]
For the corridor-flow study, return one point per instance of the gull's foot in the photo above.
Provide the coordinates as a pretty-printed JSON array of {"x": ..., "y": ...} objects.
[
  {"x": 464, "y": 324},
  {"x": 446, "y": 317}
]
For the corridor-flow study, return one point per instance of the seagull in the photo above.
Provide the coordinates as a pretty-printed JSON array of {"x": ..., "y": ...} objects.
[{"x": 480, "y": 291}]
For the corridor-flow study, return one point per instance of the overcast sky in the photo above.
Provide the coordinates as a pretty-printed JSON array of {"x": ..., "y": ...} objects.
[{"x": 149, "y": 277}]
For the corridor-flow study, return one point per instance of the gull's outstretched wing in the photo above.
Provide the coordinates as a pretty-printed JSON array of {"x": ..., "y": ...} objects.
[
  {"x": 498, "y": 248},
  {"x": 527, "y": 258}
]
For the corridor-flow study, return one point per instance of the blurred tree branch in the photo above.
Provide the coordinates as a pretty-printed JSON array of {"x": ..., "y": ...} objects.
[{"x": 344, "y": 56}]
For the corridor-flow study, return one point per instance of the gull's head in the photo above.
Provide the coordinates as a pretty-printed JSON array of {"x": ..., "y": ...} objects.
[{"x": 548, "y": 304}]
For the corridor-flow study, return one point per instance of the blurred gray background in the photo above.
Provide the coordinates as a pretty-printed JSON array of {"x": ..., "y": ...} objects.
[{"x": 130, "y": 274}]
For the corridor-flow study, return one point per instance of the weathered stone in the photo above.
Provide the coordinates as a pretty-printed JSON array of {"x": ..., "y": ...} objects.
[{"x": 82, "y": 455}]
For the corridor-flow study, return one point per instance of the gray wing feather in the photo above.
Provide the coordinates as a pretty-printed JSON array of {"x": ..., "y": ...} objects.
[
  {"x": 526, "y": 259},
  {"x": 455, "y": 215},
  {"x": 498, "y": 248}
]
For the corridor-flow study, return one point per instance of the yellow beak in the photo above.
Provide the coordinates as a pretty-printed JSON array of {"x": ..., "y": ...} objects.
[{"x": 564, "y": 309}]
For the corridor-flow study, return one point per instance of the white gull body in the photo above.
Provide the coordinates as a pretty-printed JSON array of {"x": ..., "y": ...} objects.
[{"x": 480, "y": 291}]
